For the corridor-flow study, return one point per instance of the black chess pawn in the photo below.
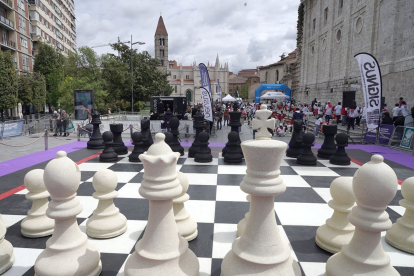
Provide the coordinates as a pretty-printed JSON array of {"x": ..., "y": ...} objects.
[
  {"x": 328, "y": 147},
  {"x": 108, "y": 154},
  {"x": 204, "y": 153},
  {"x": 306, "y": 157},
  {"x": 233, "y": 149},
  {"x": 138, "y": 148},
  {"x": 146, "y": 134},
  {"x": 295, "y": 144},
  {"x": 168, "y": 138},
  {"x": 199, "y": 126},
  {"x": 119, "y": 146},
  {"x": 96, "y": 141},
  {"x": 340, "y": 157},
  {"x": 175, "y": 144}
]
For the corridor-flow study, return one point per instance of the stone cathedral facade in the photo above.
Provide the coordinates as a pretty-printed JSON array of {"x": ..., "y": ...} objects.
[
  {"x": 185, "y": 80},
  {"x": 334, "y": 31}
]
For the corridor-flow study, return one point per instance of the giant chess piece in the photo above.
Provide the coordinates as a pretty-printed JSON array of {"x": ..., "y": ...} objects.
[
  {"x": 260, "y": 249},
  {"x": 6, "y": 250},
  {"x": 340, "y": 157},
  {"x": 401, "y": 234},
  {"x": 242, "y": 224},
  {"x": 328, "y": 147},
  {"x": 162, "y": 250},
  {"x": 232, "y": 151},
  {"x": 263, "y": 124},
  {"x": 338, "y": 231},
  {"x": 119, "y": 146},
  {"x": 375, "y": 185},
  {"x": 146, "y": 134},
  {"x": 168, "y": 138},
  {"x": 187, "y": 227},
  {"x": 295, "y": 144},
  {"x": 306, "y": 156},
  {"x": 175, "y": 144},
  {"x": 106, "y": 221},
  {"x": 235, "y": 120},
  {"x": 108, "y": 154},
  {"x": 138, "y": 147},
  {"x": 37, "y": 224},
  {"x": 199, "y": 126},
  {"x": 95, "y": 142},
  {"x": 204, "y": 152},
  {"x": 68, "y": 251}
]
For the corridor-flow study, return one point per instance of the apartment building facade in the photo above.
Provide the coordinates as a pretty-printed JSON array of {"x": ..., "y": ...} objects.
[
  {"x": 53, "y": 21},
  {"x": 15, "y": 33}
]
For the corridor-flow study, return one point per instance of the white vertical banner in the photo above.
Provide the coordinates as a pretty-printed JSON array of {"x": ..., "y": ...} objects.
[
  {"x": 371, "y": 87},
  {"x": 207, "y": 108}
]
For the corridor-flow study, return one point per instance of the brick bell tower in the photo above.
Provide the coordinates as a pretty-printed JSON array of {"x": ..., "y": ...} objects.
[{"x": 161, "y": 44}]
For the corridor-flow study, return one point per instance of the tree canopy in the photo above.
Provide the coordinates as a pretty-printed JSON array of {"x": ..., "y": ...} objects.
[{"x": 8, "y": 82}]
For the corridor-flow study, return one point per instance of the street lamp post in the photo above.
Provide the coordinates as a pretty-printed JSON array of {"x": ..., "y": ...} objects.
[{"x": 132, "y": 75}]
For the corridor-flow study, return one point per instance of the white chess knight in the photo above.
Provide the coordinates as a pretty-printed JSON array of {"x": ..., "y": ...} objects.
[
  {"x": 186, "y": 224},
  {"x": 162, "y": 250},
  {"x": 260, "y": 249},
  {"x": 401, "y": 234},
  {"x": 375, "y": 185},
  {"x": 68, "y": 251},
  {"x": 6, "y": 250},
  {"x": 37, "y": 224},
  {"x": 262, "y": 123},
  {"x": 338, "y": 231},
  {"x": 106, "y": 221}
]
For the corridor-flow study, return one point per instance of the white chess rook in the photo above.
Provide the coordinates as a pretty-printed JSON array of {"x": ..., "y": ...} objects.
[
  {"x": 186, "y": 225},
  {"x": 6, "y": 250},
  {"x": 37, "y": 224},
  {"x": 162, "y": 250},
  {"x": 338, "y": 231},
  {"x": 401, "y": 234},
  {"x": 262, "y": 123},
  {"x": 375, "y": 185},
  {"x": 68, "y": 251},
  {"x": 106, "y": 221},
  {"x": 260, "y": 250}
]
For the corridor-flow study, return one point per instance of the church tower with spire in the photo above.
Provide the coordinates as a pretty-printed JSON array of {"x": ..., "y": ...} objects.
[{"x": 161, "y": 44}]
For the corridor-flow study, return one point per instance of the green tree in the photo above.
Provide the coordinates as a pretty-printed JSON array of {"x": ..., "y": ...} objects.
[
  {"x": 282, "y": 56},
  {"x": 245, "y": 91},
  {"x": 25, "y": 89},
  {"x": 8, "y": 82},
  {"x": 49, "y": 62},
  {"x": 39, "y": 91}
]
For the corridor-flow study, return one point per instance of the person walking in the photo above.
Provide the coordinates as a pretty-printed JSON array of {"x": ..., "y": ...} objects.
[
  {"x": 219, "y": 118},
  {"x": 338, "y": 110},
  {"x": 167, "y": 117},
  {"x": 344, "y": 113},
  {"x": 56, "y": 122},
  {"x": 65, "y": 122},
  {"x": 328, "y": 111},
  {"x": 226, "y": 117},
  {"x": 351, "y": 119},
  {"x": 395, "y": 112}
]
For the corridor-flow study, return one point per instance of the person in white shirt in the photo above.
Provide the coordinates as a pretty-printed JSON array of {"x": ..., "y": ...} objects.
[
  {"x": 395, "y": 112},
  {"x": 351, "y": 118},
  {"x": 338, "y": 110},
  {"x": 318, "y": 123},
  {"x": 328, "y": 111},
  {"x": 404, "y": 108},
  {"x": 363, "y": 116},
  {"x": 281, "y": 130}
]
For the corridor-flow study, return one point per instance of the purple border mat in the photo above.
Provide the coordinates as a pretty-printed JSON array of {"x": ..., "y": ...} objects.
[{"x": 31, "y": 159}]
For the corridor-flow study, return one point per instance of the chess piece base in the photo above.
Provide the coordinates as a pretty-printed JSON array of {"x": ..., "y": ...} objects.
[
  {"x": 184, "y": 265},
  {"x": 306, "y": 160},
  {"x": 95, "y": 143},
  {"x": 293, "y": 153},
  {"x": 34, "y": 235},
  {"x": 104, "y": 229},
  {"x": 401, "y": 236},
  {"x": 342, "y": 160},
  {"x": 332, "y": 241},
  {"x": 7, "y": 257},
  {"x": 96, "y": 272},
  {"x": 120, "y": 150},
  {"x": 113, "y": 157},
  {"x": 37, "y": 227}
]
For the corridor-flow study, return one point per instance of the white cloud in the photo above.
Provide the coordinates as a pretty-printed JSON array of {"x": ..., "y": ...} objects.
[{"x": 244, "y": 33}]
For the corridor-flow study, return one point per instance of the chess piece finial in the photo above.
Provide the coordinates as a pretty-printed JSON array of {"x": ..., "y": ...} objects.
[{"x": 262, "y": 123}]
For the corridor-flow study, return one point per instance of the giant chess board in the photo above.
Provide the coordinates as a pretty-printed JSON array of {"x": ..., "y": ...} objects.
[{"x": 216, "y": 203}]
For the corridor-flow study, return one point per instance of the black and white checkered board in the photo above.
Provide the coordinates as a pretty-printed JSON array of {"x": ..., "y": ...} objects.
[{"x": 216, "y": 203}]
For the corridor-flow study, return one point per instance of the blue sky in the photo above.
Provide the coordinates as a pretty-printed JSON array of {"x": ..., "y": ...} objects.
[{"x": 244, "y": 33}]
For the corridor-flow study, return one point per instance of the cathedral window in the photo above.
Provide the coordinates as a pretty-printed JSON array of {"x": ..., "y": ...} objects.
[
  {"x": 326, "y": 15},
  {"x": 314, "y": 24},
  {"x": 160, "y": 41},
  {"x": 187, "y": 77},
  {"x": 163, "y": 43},
  {"x": 176, "y": 89},
  {"x": 162, "y": 63},
  {"x": 277, "y": 75},
  {"x": 341, "y": 4}
]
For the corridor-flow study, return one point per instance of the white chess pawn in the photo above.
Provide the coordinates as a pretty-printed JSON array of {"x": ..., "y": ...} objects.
[
  {"x": 68, "y": 251},
  {"x": 6, "y": 250},
  {"x": 338, "y": 231},
  {"x": 37, "y": 224},
  {"x": 106, "y": 221},
  {"x": 375, "y": 185},
  {"x": 401, "y": 234},
  {"x": 186, "y": 224}
]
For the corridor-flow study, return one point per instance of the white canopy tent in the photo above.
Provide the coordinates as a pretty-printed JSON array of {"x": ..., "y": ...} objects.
[
  {"x": 273, "y": 95},
  {"x": 228, "y": 98}
]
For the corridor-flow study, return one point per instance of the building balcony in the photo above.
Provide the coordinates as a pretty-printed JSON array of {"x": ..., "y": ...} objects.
[
  {"x": 34, "y": 2},
  {"x": 8, "y": 3},
  {"x": 10, "y": 44},
  {"x": 7, "y": 23}
]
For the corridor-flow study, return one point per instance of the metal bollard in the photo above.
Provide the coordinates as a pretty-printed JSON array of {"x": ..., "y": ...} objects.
[
  {"x": 46, "y": 139},
  {"x": 131, "y": 131},
  {"x": 78, "y": 134}
]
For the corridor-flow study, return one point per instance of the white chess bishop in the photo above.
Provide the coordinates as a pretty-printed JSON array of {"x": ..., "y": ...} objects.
[
  {"x": 338, "y": 231},
  {"x": 375, "y": 185},
  {"x": 260, "y": 249},
  {"x": 186, "y": 224},
  {"x": 37, "y": 224},
  {"x": 401, "y": 234},
  {"x": 162, "y": 250},
  {"x": 68, "y": 251},
  {"x": 106, "y": 221}
]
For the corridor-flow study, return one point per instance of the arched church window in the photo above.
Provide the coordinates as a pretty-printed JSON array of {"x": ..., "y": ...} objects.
[
  {"x": 277, "y": 75},
  {"x": 160, "y": 41}
]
